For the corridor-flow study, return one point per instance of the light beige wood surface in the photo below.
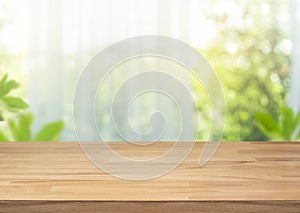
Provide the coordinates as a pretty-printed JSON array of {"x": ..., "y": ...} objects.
[{"x": 238, "y": 171}]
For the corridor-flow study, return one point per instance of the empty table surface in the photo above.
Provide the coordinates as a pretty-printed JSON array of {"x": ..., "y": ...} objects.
[{"x": 238, "y": 171}]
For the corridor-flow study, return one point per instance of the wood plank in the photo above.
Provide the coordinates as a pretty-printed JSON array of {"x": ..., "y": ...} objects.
[
  {"x": 241, "y": 171},
  {"x": 145, "y": 207}
]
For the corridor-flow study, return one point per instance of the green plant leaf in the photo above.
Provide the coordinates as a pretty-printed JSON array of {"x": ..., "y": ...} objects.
[
  {"x": 3, "y": 137},
  {"x": 286, "y": 122},
  {"x": 13, "y": 128},
  {"x": 1, "y": 117},
  {"x": 21, "y": 127},
  {"x": 296, "y": 124},
  {"x": 7, "y": 87},
  {"x": 268, "y": 126},
  {"x": 267, "y": 122},
  {"x": 272, "y": 135},
  {"x": 3, "y": 80},
  {"x": 24, "y": 127},
  {"x": 15, "y": 103},
  {"x": 285, "y": 129},
  {"x": 50, "y": 132}
]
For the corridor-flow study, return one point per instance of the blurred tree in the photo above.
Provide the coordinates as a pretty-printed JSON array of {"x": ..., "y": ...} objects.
[{"x": 251, "y": 55}]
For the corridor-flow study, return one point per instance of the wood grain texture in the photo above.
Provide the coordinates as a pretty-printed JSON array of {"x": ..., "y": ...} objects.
[
  {"x": 148, "y": 206},
  {"x": 237, "y": 172}
]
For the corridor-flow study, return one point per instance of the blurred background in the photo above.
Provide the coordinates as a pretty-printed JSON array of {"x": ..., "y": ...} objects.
[{"x": 253, "y": 45}]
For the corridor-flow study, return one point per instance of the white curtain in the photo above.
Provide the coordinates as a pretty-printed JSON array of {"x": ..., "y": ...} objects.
[
  {"x": 294, "y": 100},
  {"x": 64, "y": 35}
]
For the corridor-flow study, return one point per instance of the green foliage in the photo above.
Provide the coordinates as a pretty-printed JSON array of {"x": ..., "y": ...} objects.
[
  {"x": 50, "y": 132},
  {"x": 286, "y": 128},
  {"x": 19, "y": 127},
  {"x": 252, "y": 64},
  {"x": 7, "y": 102}
]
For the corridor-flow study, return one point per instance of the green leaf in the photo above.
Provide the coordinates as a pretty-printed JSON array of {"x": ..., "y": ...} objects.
[
  {"x": 50, "y": 132},
  {"x": 13, "y": 129},
  {"x": 3, "y": 80},
  {"x": 7, "y": 87},
  {"x": 16, "y": 103},
  {"x": 296, "y": 123},
  {"x": 267, "y": 122},
  {"x": 24, "y": 128},
  {"x": 21, "y": 128},
  {"x": 285, "y": 129},
  {"x": 272, "y": 135},
  {"x": 3, "y": 137},
  {"x": 1, "y": 117},
  {"x": 286, "y": 122},
  {"x": 268, "y": 126}
]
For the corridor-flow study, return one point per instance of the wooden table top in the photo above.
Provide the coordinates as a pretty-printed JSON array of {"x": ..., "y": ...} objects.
[{"x": 238, "y": 171}]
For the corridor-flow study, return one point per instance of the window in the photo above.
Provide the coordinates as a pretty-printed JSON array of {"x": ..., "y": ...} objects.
[{"x": 252, "y": 45}]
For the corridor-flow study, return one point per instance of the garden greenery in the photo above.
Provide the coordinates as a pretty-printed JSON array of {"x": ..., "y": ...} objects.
[{"x": 16, "y": 125}]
